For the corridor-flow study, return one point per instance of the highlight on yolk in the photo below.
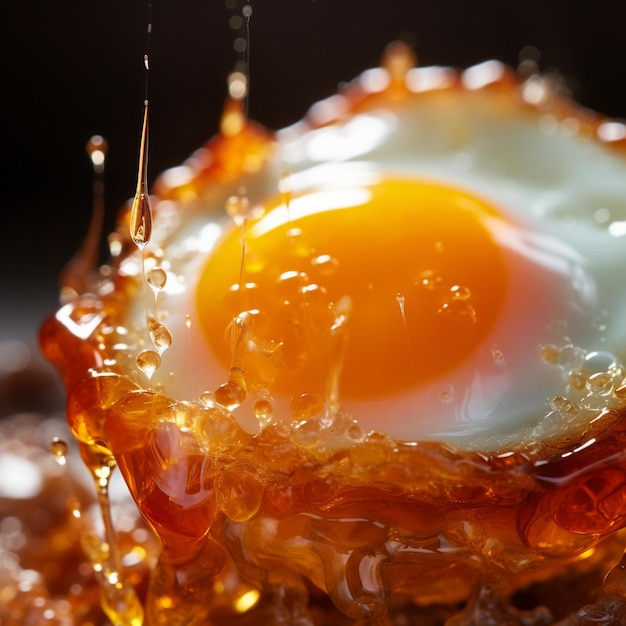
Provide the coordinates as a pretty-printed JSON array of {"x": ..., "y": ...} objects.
[{"x": 382, "y": 287}]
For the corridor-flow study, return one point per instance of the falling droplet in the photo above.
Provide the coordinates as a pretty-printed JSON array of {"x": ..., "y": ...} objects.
[
  {"x": 59, "y": 449},
  {"x": 237, "y": 207},
  {"x": 161, "y": 336},
  {"x": 141, "y": 209},
  {"x": 156, "y": 278},
  {"x": 148, "y": 362},
  {"x": 97, "y": 148},
  {"x": 188, "y": 321},
  {"x": 116, "y": 244},
  {"x": 237, "y": 85}
]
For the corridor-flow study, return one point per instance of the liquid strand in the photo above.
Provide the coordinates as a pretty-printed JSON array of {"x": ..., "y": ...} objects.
[
  {"x": 141, "y": 210},
  {"x": 75, "y": 276}
]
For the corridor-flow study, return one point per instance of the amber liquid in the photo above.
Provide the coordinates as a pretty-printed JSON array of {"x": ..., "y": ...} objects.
[
  {"x": 282, "y": 526},
  {"x": 372, "y": 525}
]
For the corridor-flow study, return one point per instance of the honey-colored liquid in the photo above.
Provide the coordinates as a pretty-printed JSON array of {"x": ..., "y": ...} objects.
[
  {"x": 373, "y": 525},
  {"x": 314, "y": 521}
]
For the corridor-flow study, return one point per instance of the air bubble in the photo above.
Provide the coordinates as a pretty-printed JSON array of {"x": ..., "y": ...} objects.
[
  {"x": 564, "y": 407},
  {"x": 429, "y": 280},
  {"x": 148, "y": 362},
  {"x": 577, "y": 379},
  {"x": 230, "y": 395},
  {"x": 59, "y": 449},
  {"x": 549, "y": 354},
  {"x": 458, "y": 292},
  {"x": 459, "y": 311},
  {"x": 596, "y": 362},
  {"x": 239, "y": 495},
  {"x": 600, "y": 384},
  {"x": 325, "y": 264}
]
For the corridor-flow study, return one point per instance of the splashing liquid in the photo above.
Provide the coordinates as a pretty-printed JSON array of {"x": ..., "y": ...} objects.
[{"x": 303, "y": 504}]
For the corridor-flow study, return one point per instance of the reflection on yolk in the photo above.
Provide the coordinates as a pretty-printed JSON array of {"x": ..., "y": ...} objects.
[{"x": 391, "y": 285}]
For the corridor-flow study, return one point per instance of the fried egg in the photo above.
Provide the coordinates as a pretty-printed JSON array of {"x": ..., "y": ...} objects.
[{"x": 428, "y": 255}]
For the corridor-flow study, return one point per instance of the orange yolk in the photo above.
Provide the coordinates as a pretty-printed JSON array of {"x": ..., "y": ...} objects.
[{"x": 379, "y": 288}]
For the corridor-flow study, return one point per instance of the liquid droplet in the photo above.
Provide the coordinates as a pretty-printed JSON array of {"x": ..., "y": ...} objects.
[
  {"x": 306, "y": 405},
  {"x": 141, "y": 209},
  {"x": 230, "y": 395},
  {"x": 148, "y": 362},
  {"x": 264, "y": 410},
  {"x": 75, "y": 277},
  {"x": 498, "y": 356},
  {"x": 74, "y": 507},
  {"x": 447, "y": 395},
  {"x": 161, "y": 337},
  {"x": 459, "y": 312},
  {"x": 116, "y": 244},
  {"x": 59, "y": 449},
  {"x": 398, "y": 59},
  {"x": 208, "y": 399},
  {"x": 238, "y": 84},
  {"x": 429, "y": 280},
  {"x": 458, "y": 292},
  {"x": 237, "y": 207},
  {"x": 157, "y": 278},
  {"x": 97, "y": 148},
  {"x": 325, "y": 264}
]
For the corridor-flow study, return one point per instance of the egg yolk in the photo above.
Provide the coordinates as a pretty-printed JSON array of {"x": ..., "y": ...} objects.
[{"x": 363, "y": 291}]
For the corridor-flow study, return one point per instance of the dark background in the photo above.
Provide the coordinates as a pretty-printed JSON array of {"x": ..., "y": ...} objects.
[{"x": 73, "y": 68}]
